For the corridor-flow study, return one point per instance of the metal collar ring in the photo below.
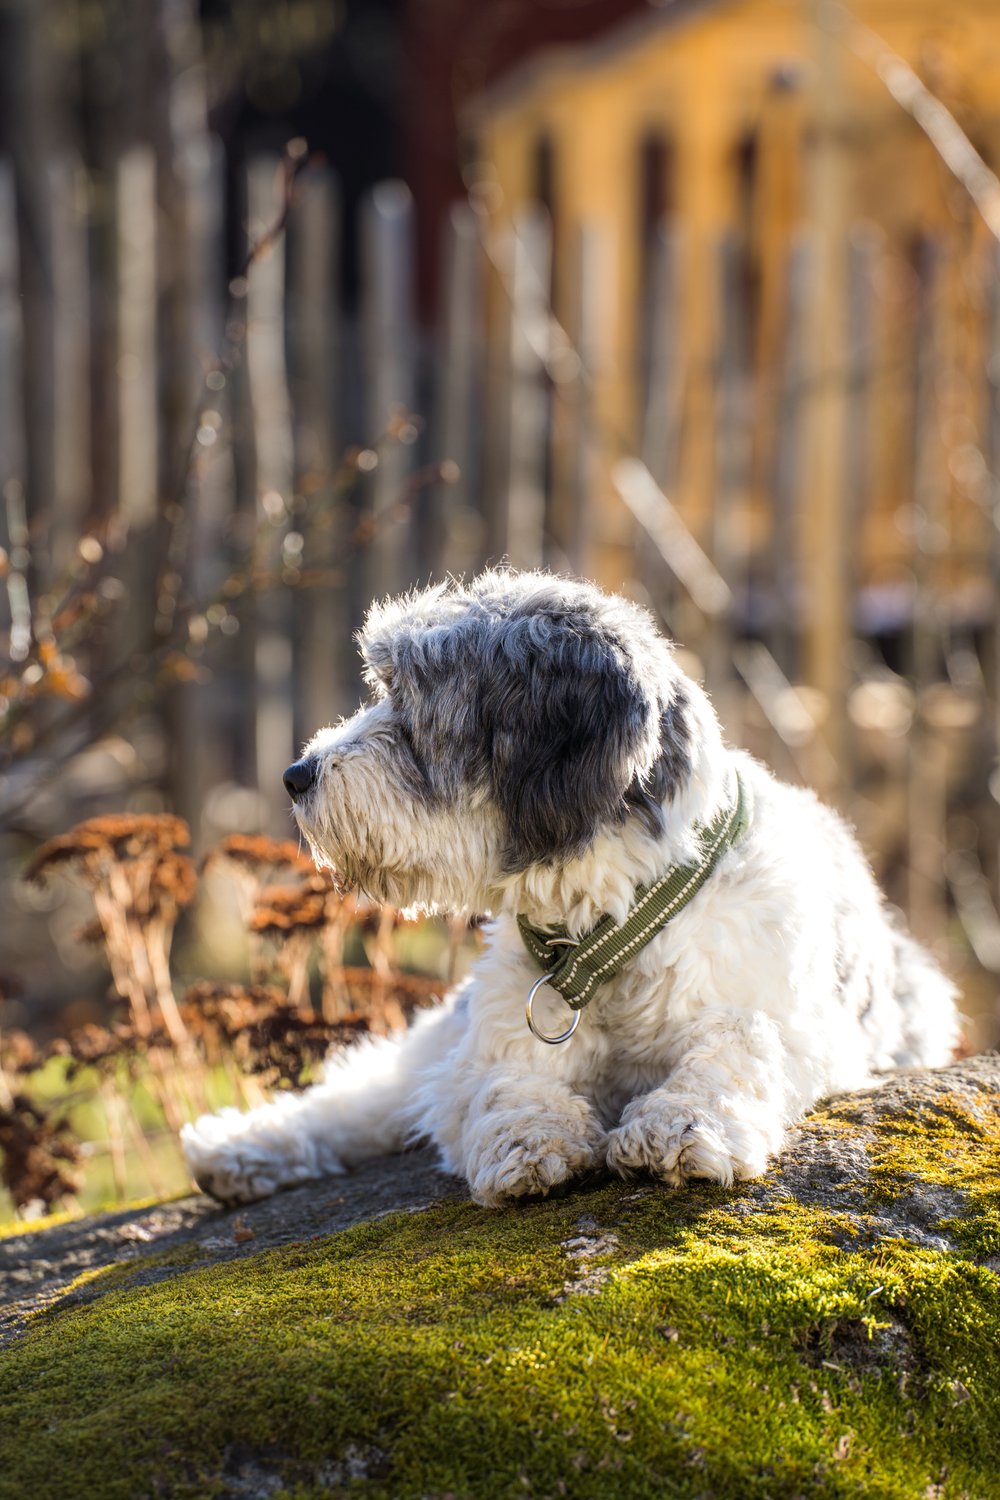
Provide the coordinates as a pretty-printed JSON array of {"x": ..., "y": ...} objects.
[{"x": 553, "y": 1041}]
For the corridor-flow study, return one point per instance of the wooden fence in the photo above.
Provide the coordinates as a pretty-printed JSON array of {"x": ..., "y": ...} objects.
[{"x": 519, "y": 428}]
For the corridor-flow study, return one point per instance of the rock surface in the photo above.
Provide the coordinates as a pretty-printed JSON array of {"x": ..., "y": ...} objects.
[
  {"x": 36, "y": 1267},
  {"x": 855, "y": 1290}
]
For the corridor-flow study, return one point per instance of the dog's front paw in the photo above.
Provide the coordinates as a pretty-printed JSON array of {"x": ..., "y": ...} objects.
[
  {"x": 674, "y": 1140},
  {"x": 528, "y": 1157}
]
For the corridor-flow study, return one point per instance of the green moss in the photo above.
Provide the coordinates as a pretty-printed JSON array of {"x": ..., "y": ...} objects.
[
  {"x": 441, "y": 1353},
  {"x": 945, "y": 1144},
  {"x": 950, "y": 1142}
]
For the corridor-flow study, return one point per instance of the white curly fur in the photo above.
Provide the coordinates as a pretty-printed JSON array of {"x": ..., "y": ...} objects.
[{"x": 782, "y": 981}]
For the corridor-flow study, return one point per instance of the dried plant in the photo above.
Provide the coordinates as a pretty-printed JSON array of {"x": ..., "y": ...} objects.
[
  {"x": 293, "y": 916},
  {"x": 252, "y": 861},
  {"x": 139, "y": 883},
  {"x": 19, "y": 1053},
  {"x": 131, "y": 867},
  {"x": 258, "y": 1028},
  {"x": 262, "y": 1035},
  {"x": 218, "y": 1016},
  {"x": 37, "y": 1156},
  {"x": 366, "y": 993},
  {"x": 110, "y": 1052}
]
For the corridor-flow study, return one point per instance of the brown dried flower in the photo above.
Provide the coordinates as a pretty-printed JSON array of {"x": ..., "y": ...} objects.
[
  {"x": 118, "y": 836},
  {"x": 282, "y": 909},
  {"x": 37, "y": 1155},
  {"x": 257, "y": 852},
  {"x": 18, "y": 1052},
  {"x": 172, "y": 886}
]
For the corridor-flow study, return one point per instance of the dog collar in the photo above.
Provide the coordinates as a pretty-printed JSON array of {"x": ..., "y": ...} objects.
[{"x": 577, "y": 969}]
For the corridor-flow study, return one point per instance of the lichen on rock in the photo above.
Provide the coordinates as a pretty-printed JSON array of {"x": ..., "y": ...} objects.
[{"x": 830, "y": 1330}]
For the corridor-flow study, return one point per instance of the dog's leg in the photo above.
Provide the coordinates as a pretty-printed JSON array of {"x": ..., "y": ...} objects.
[
  {"x": 363, "y": 1108},
  {"x": 510, "y": 1132},
  {"x": 723, "y": 1110}
]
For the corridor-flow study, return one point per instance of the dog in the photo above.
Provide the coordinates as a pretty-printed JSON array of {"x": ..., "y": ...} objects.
[{"x": 533, "y": 750}]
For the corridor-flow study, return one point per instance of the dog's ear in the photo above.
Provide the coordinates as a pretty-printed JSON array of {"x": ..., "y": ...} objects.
[
  {"x": 672, "y": 765},
  {"x": 571, "y": 724}
]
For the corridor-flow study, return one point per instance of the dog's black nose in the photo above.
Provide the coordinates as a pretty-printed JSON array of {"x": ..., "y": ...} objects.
[{"x": 299, "y": 778}]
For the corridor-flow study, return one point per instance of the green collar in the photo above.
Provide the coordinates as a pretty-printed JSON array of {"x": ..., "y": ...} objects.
[{"x": 577, "y": 969}]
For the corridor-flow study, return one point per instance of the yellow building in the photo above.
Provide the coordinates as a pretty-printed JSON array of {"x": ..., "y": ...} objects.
[{"x": 765, "y": 125}]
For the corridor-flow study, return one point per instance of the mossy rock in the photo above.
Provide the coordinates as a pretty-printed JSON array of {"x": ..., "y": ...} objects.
[{"x": 832, "y": 1330}]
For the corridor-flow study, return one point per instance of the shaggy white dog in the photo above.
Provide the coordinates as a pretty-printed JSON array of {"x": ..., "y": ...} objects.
[{"x": 533, "y": 750}]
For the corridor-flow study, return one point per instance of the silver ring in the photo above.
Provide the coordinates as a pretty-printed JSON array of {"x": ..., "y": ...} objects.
[{"x": 553, "y": 1041}]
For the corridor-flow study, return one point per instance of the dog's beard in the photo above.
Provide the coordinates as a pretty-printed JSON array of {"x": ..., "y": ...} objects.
[
  {"x": 347, "y": 872},
  {"x": 410, "y": 887}
]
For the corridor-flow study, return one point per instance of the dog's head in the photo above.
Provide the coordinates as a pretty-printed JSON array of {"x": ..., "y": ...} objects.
[{"x": 514, "y": 720}]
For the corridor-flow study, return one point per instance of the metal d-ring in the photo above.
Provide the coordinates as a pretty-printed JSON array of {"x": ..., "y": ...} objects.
[{"x": 553, "y": 1041}]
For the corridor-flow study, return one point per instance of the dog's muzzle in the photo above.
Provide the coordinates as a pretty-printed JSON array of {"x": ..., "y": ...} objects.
[{"x": 300, "y": 776}]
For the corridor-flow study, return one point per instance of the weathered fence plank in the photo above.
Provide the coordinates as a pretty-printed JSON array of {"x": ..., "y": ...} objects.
[
  {"x": 71, "y": 389},
  {"x": 11, "y": 385},
  {"x": 732, "y": 414},
  {"x": 14, "y": 607},
  {"x": 591, "y": 287},
  {"x": 204, "y": 713},
  {"x": 529, "y": 252},
  {"x": 390, "y": 352},
  {"x": 991, "y": 491},
  {"x": 273, "y": 644},
  {"x": 138, "y": 412},
  {"x": 662, "y": 378},
  {"x": 457, "y": 522},
  {"x": 926, "y": 786},
  {"x": 785, "y": 544},
  {"x": 321, "y": 610}
]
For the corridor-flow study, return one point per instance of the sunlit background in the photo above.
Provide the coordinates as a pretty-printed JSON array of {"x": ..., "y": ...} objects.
[{"x": 303, "y": 303}]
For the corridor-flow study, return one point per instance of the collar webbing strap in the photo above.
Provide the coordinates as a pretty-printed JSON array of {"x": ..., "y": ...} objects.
[{"x": 576, "y": 969}]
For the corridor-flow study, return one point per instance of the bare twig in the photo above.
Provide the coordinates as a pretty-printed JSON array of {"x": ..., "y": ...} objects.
[{"x": 936, "y": 121}]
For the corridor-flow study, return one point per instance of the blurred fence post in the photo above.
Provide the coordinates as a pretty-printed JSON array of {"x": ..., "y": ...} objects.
[
  {"x": 28, "y": 75},
  {"x": 274, "y": 657},
  {"x": 387, "y": 322},
  {"x": 662, "y": 376},
  {"x": 457, "y": 509},
  {"x": 662, "y": 393},
  {"x": 592, "y": 284},
  {"x": 137, "y": 406},
  {"x": 314, "y": 334},
  {"x": 137, "y": 418},
  {"x": 209, "y": 710},
  {"x": 730, "y": 543},
  {"x": 71, "y": 392},
  {"x": 861, "y": 261},
  {"x": 927, "y": 812},
  {"x": 530, "y": 259},
  {"x": 992, "y": 494},
  {"x": 785, "y": 542},
  {"x": 11, "y": 384},
  {"x": 826, "y": 611}
]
